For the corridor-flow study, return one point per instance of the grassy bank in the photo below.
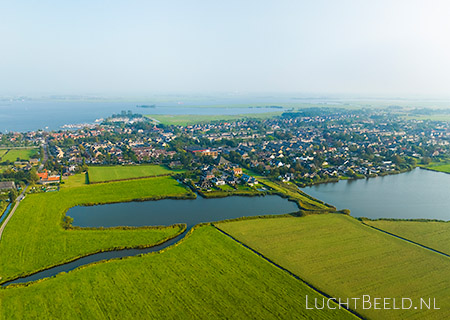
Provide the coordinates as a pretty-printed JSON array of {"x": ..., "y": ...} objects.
[
  {"x": 34, "y": 238},
  {"x": 111, "y": 173},
  {"x": 207, "y": 276},
  {"x": 291, "y": 191},
  {"x": 341, "y": 256},
  {"x": 440, "y": 167}
]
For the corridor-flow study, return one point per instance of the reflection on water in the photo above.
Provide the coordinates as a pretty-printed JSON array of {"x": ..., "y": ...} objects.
[{"x": 411, "y": 195}]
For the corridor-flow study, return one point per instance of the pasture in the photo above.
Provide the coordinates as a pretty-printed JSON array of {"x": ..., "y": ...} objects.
[
  {"x": 191, "y": 119},
  {"x": 440, "y": 167},
  {"x": 34, "y": 238},
  {"x": 22, "y": 154},
  {"x": 206, "y": 276},
  {"x": 344, "y": 258},
  {"x": 432, "y": 234},
  {"x": 111, "y": 173}
]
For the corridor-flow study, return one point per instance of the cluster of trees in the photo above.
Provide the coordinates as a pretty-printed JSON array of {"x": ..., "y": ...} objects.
[{"x": 20, "y": 176}]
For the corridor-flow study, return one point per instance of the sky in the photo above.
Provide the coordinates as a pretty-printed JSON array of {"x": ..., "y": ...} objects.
[{"x": 389, "y": 48}]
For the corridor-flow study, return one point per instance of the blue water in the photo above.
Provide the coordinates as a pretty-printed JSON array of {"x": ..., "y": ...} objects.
[{"x": 23, "y": 116}]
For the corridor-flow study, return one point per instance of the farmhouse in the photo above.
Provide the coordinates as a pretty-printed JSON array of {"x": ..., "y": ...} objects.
[{"x": 44, "y": 178}]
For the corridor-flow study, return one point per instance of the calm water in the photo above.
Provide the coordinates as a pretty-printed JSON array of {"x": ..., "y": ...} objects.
[
  {"x": 169, "y": 211},
  {"x": 24, "y": 116},
  {"x": 161, "y": 212},
  {"x": 412, "y": 195}
]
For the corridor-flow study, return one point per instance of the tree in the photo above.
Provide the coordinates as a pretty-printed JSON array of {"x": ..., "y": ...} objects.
[
  {"x": 13, "y": 195},
  {"x": 32, "y": 176}
]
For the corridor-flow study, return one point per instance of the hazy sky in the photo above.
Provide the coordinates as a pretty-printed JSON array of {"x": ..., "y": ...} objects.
[{"x": 143, "y": 47}]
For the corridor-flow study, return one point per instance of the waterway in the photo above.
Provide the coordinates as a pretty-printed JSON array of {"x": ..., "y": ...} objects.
[
  {"x": 161, "y": 213},
  {"x": 418, "y": 194}
]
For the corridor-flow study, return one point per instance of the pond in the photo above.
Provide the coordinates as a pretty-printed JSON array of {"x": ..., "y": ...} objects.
[
  {"x": 169, "y": 211},
  {"x": 161, "y": 213},
  {"x": 418, "y": 194}
]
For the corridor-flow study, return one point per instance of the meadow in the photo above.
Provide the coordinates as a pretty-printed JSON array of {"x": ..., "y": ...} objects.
[
  {"x": 432, "y": 234},
  {"x": 344, "y": 258},
  {"x": 111, "y": 173},
  {"x": 34, "y": 238},
  {"x": 206, "y": 276},
  {"x": 439, "y": 167},
  {"x": 191, "y": 119},
  {"x": 23, "y": 154}
]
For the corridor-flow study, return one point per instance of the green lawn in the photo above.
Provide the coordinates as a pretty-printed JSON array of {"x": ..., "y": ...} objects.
[
  {"x": 34, "y": 238},
  {"x": 111, "y": 173},
  {"x": 432, "y": 234},
  {"x": 207, "y": 276},
  {"x": 190, "y": 119},
  {"x": 77, "y": 180},
  {"x": 22, "y": 154},
  {"x": 344, "y": 258}
]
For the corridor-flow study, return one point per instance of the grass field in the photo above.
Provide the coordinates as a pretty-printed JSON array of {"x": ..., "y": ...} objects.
[
  {"x": 111, "y": 173},
  {"x": 432, "y": 117},
  {"x": 435, "y": 235},
  {"x": 190, "y": 119},
  {"x": 76, "y": 180},
  {"x": 342, "y": 257},
  {"x": 207, "y": 276},
  {"x": 22, "y": 154},
  {"x": 34, "y": 238},
  {"x": 439, "y": 167}
]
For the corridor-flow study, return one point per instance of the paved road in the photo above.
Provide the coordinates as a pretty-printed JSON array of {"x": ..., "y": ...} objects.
[{"x": 5, "y": 222}]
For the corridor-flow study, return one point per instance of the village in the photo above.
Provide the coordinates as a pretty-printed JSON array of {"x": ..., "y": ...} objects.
[{"x": 305, "y": 147}]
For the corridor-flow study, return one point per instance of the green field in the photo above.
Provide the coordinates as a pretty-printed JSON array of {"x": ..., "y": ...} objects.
[
  {"x": 191, "y": 119},
  {"x": 22, "y": 154},
  {"x": 435, "y": 235},
  {"x": 76, "y": 180},
  {"x": 111, "y": 173},
  {"x": 439, "y": 167},
  {"x": 34, "y": 238},
  {"x": 207, "y": 276},
  {"x": 344, "y": 258},
  {"x": 432, "y": 117}
]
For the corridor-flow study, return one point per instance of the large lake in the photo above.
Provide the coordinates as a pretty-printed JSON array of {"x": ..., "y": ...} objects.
[
  {"x": 411, "y": 195},
  {"x": 24, "y": 116},
  {"x": 167, "y": 212}
]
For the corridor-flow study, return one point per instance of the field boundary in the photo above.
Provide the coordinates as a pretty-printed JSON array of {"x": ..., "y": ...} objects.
[
  {"x": 287, "y": 271},
  {"x": 127, "y": 179},
  {"x": 407, "y": 240}
]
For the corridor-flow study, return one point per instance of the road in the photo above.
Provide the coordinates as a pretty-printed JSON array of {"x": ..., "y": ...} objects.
[
  {"x": 19, "y": 198},
  {"x": 45, "y": 156}
]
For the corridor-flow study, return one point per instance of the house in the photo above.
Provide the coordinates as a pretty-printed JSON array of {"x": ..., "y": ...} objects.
[
  {"x": 7, "y": 185},
  {"x": 202, "y": 151},
  {"x": 44, "y": 178},
  {"x": 251, "y": 181},
  {"x": 237, "y": 171}
]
